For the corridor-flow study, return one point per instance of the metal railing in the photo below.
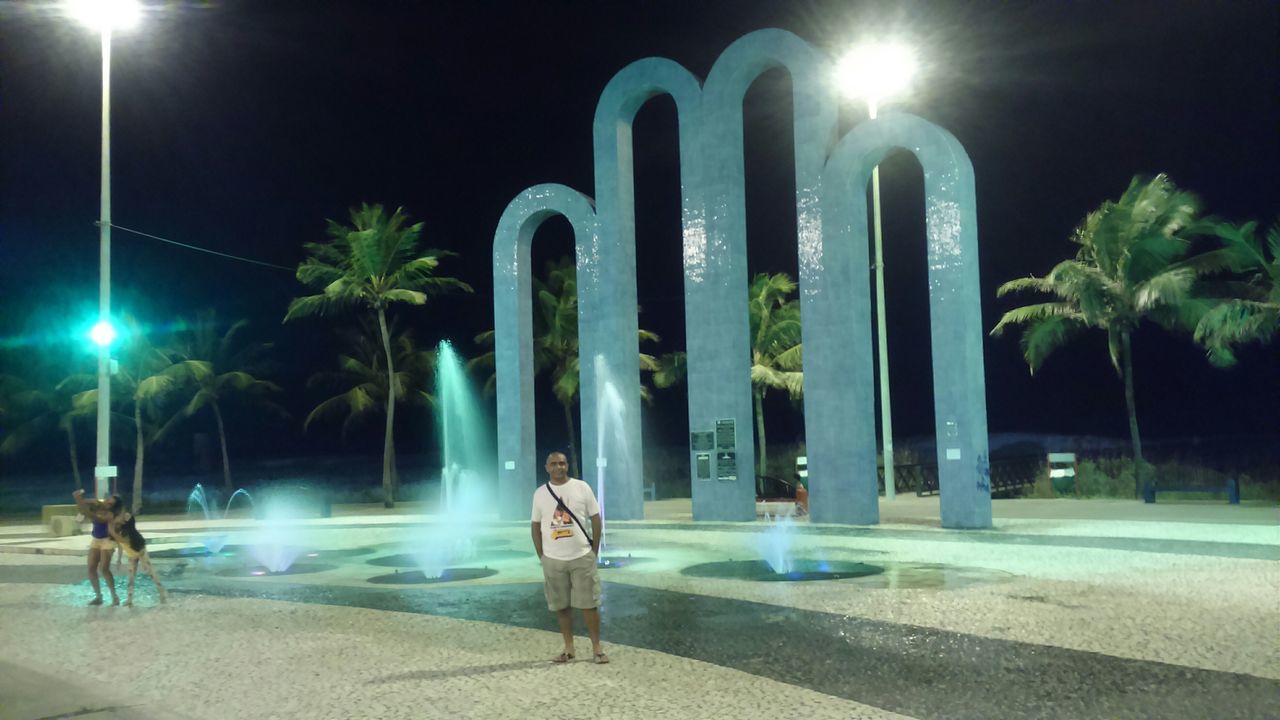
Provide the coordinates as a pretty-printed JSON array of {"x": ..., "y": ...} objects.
[{"x": 1008, "y": 476}]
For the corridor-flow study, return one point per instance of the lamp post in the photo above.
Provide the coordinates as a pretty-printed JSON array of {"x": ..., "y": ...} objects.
[
  {"x": 104, "y": 16},
  {"x": 873, "y": 73}
]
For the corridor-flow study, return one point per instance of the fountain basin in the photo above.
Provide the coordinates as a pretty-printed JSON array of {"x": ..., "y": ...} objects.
[
  {"x": 802, "y": 570},
  {"x": 417, "y": 577}
]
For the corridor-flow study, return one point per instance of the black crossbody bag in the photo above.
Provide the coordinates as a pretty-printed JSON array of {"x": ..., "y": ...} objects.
[{"x": 560, "y": 503}]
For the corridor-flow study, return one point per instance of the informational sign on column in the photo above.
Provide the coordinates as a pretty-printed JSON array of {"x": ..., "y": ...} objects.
[
  {"x": 704, "y": 466},
  {"x": 702, "y": 445},
  {"x": 726, "y": 450},
  {"x": 726, "y": 465}
]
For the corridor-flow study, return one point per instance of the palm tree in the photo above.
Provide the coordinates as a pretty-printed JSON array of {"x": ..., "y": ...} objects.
[
  {"x": 776, "y": 350},
  {"x": 147, "y": 375},
  {"x": 369, "y": 266},
  {"x": 1249, "y": 310},
  {"x": 1131, "y": 266},
  {"x": 555, "y": 343},
  {"x": 34, "y": 413},
  {"x": 360, "y": 382},
  {"x": 213, "y": 368},
  {"x": 777, "y": 353}
]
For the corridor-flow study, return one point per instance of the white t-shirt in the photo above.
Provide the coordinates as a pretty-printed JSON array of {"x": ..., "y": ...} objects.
[{"x": 562, "y": 539}]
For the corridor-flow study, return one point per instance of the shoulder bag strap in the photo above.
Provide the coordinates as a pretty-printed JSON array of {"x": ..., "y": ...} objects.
[{"x": 560, "y": 503}]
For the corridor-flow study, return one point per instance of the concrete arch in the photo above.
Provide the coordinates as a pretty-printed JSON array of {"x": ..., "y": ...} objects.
[
  {"x": 719, "y": 362},
  {"x": 836, "y": 322},
  {"x": 607, "y": 278},
  {"x": 513, "y": 330}
]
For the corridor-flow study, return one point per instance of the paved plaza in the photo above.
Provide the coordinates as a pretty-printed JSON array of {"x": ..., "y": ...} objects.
[{"x": 1066, "y": 609}]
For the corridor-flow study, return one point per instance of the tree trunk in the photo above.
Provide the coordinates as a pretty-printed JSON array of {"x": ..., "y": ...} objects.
[
  {"x": 763, "y": 448},
  {"x": 395, "y": 471},
  {"x": 1139, "y": 465},
  {"x": 137, "y": 459},
  {"x": 75, "y": 459},
  {"x": 222, "y": 439},
  {"x": 573, "y": 448},
  {"x": 388, "y": 448}
]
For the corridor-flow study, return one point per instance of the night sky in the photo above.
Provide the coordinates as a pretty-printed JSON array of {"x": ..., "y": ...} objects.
[{"x": 242, "y": 126}]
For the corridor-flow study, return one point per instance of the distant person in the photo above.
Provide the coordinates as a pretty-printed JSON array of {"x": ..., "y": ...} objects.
[
  {"x": 101, "y": 546},
  {"x": 571, "y": 578},
  {"x": 125, "y": 531}
]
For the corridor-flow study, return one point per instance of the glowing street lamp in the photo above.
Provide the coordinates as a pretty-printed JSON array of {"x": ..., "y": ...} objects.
[
  {"x": 103, "y": 333},
  {"x": 874, "y": 73},
  {"x": 104, "y": 17}
]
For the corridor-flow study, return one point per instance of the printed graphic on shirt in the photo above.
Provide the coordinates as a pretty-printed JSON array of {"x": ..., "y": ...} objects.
[{"x": 561, "y": 524}]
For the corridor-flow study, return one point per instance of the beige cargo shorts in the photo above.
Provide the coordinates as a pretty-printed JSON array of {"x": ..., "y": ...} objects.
[{"x": 571, "y": 583}]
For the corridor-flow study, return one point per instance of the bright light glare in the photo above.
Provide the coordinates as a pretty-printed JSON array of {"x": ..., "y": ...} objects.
[
  {"x": 102, "y": 15},
  {"x": 876, "y": 71},
  {"x": 102, "y": 334}
]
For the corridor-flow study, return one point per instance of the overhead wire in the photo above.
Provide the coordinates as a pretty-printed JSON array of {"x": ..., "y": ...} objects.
[{"x": 197, "y": 248}]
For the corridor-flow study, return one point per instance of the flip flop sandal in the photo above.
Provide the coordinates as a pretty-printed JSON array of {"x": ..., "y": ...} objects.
[
  {"x": 562, "y": 658},
  {"x": 601, "y": 659}
]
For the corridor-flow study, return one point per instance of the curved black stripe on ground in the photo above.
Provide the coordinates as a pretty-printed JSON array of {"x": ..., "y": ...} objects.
[{"x": 921, "y": 672}]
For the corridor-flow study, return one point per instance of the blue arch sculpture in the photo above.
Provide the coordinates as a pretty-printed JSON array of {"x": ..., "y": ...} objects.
[
  {"x": 839, "y": 431},
  {"x": 513, "y": 328},
  {"x": 834, "y": 292},
  {"x": 612, "y": 269}
]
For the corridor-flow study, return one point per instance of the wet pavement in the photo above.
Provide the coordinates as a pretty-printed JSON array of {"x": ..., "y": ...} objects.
[{"x": 1056, "y": 619}]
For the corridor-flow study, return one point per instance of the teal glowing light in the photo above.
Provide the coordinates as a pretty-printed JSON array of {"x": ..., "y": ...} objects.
[{"x": 103, "y": 333}]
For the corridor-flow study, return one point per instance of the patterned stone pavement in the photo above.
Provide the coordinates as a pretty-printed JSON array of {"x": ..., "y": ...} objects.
[{"x": 1041, "y": 617}]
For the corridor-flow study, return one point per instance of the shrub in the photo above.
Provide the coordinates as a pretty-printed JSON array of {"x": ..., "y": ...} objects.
[{"x": 1105, "y": 477}]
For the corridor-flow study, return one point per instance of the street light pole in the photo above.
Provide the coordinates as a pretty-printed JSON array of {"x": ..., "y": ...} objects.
[
  {"x": 874, "y": 72},
  {"x": 103, "y": 471},
  {"x": 104, "y": 16},
  {"x": 882, "y": 338}
]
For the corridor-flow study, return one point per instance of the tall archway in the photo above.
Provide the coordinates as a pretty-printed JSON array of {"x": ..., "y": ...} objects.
[
  {"x": 513, "y": 330},
  {"x": 835, "y": 296}
]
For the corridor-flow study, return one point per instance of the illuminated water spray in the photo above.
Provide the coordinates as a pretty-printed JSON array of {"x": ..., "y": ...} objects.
[{"x": 467, "y": 458}]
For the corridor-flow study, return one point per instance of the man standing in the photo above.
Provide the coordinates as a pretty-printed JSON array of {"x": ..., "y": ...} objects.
[{"x": 568, "y": 555}]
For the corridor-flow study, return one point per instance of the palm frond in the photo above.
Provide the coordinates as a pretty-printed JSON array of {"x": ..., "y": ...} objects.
[
  {"x": 672, "y": 368},
  {"x": 1163, "y": 289},
  {"x": 312, "y": 305},
  {"x": 314, "y": 273},
  {"x": 411, "y": 297},
  {"x": 790, "y": 359},
  {"x": 1044, "y": 336},
  {"x": 1025, "y": 284},
  {"x": 1035, "y": 313}
]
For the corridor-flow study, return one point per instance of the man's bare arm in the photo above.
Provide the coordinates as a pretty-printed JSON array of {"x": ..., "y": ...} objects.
[
  {"x": 597, "y": 534},
  {"x": 537, "y": 538}
]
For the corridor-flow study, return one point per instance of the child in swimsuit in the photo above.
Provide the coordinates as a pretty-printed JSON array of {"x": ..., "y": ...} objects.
[{"x": 125, "y": 530}]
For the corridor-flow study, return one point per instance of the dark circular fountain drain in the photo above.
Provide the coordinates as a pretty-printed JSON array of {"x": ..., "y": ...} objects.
[
  {"x": 416, "y": 577},
  {"x": 260, "y": 571},
  {"x": 408, "y": 560},
  {"x": 802, "y": 570},
  {"x": 613, "y": 562}
]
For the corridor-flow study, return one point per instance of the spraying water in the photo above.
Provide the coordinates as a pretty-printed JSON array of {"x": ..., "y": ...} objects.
[
  {"x": 466, "y": 472},
  {"x": 776, "y": 543},
  {"x": 199, "y": 498},
  {"x": 609, "y": 414}
]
